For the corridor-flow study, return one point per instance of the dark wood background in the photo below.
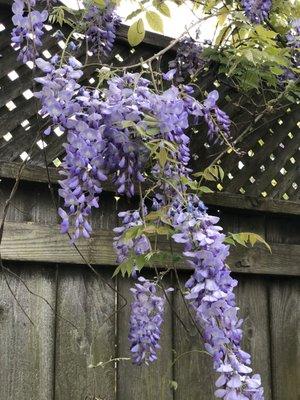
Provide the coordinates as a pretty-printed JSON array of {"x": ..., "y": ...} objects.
[{"x": 88, "y": 321}]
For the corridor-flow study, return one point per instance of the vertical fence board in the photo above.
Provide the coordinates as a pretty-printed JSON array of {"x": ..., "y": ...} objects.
[
  {"x": 284, "y": 306},
  {"x": 143, "y": 382},
  {"x": 89, "y": 303},
  {"x": 26, "y": 351},
  {"x": 285, "y": 331},
  {"x": 252, "y": 298},
  {"x": 252, "y": 295},
  {"x": 193, "y": 368}
]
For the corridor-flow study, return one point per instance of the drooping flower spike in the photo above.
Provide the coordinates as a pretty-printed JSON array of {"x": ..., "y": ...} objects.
[
  {"x": 218, "y": 121},
  {"x": 29, "y": 29},
  {"x": 101, "y": 26},
  {"x": 210, "y": 293},
  {"x": 146, "y": 318},
  {"x": 257, "y": 10}
]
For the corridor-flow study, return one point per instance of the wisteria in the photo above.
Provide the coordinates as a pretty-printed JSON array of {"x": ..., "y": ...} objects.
[
  {"x": 128, "y": 130},
  {"x": 29, "y": 29},
  {"x": 257, "y": 10},
  {"x": 59, "y": 87},
  {"x": 145, "y": 321},
  {"x": 74, "y": 109},
  {"x": 101, "y": 26},
  {"x": 218, "y": 121},
  {"x": 125, "y": 99},
  {"x": 293, "y": 42},
  {"x": 211, "y": 295},
  {"x": 188, "y": 61},
  {"x": 138, "y": 245}
]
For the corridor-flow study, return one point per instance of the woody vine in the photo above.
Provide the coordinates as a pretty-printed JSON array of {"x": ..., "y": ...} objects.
[{"x": 134, "y": 128}]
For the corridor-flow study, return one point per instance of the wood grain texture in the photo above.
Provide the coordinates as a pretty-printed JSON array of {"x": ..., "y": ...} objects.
[
  {"x": 145, "y": 382},
  {"x": 26, "y": 351},
  {"x": 193, "y": 369},
  {"x": 224, "y": 199},
  {"x": 284, "y": 311},
  {"x": 285, "y": 333},
  {"x": 252, "y": 298},
  {"x": 89, "y": 303},
  {"x": 37, "y": 242}
]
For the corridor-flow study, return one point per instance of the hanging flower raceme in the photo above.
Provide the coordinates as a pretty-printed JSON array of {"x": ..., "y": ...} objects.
[
  {"x": 174, "y": 110},
  {"x": 79, "y": 112},
  {"x": 293, "y": 42},
  {"x": 211, "y": 295},
  {"x": 29, "y": 29},
  {"x": 83, "y": 165},
  {"x": 218, "y": 121},
  {"x": 188, "y": 61},
  {"x": 59, "y": 89},
  {"x": 146, "y": 318},
  {"x": 138, "y": 245},
  {"x": 257, "y": 10},
  {"x": 101, "y": 26},
  {"x": 123, "y": 111}
]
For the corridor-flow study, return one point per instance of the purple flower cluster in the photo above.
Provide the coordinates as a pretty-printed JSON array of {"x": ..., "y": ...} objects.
[
  {"x": 101, "y": 26},
  {"x": 211, "y": 295},
  {"x": 138, "y": 245},
  {"x": 103, "y": 133},
  {"x": 218, "y": 121},
  {"x": 257, "y": 10},
  {"x": 188, "y": 61},
  {"x": 76, "y": 111},
  {"x": 59, "y": 89},
  {"x": 174, "y": 110},
  {"x": 126, "y": 154},
  {"x": 29, "y": 29},
  {"x": 145, "y": 321},
  {"x": 293, "y": 42},
  {"x": 83, "y": 165}
]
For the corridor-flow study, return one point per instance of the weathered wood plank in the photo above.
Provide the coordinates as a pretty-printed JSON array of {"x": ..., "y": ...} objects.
[
  {"x": 252, "y": 298},
  {"x": 30, "y": 203},
  {"x": 193, "y": 370},
  {"x": 283, "y": 230},
  {"x": 85, "y": 300},
  {"x": 36, "y": 242},
  {"x": 26, "y": 351},
  {"x": 285, "y": 345},
  {"x": 223, "y": 199},
  {"x": 284, "y": 309},
  {"x": 143, "y": 382}
]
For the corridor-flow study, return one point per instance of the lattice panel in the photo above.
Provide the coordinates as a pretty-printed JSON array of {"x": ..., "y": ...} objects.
[
  {"x": 19, "y": 113},
  {"x": 269, "y": 166}
]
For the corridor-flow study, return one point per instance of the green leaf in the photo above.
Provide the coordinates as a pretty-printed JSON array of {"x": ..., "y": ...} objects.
[
  {"x": 205, "y": 189},
  {"x": 155, "y": 22},
  {"x": 223, "y": 14},
  {"x": 100, "y": 3},
  {"x": 276, "y": 70},
  {"x": 125, "y": 268},
  {"x": 133, "y": 14},
  {"x": 211, "y": 173},
  {"x": 244, "y": 238},
  {"x": 136, "y": 33},
  {"x": 164, "y": 230},
  {"x": 162, "y": 157},
  {"x": 127, "y": 124},
  {"x": 133, "y": 232},
  {"x": 162, "y": 8}
]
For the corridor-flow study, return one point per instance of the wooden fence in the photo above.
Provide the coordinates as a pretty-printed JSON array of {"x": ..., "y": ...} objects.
[{"x": 86, "y": 319}]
